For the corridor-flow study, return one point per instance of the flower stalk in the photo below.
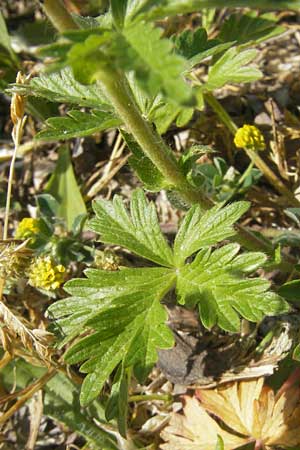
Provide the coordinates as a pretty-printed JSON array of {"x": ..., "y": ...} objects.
[
  {"x": 17, "y": 110},
  {"x": 273, "y": 179}
]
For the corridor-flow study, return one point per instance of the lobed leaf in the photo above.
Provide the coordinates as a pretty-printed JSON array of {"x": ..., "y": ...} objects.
[
  {"x": 232, "y": 68},
  {"x": 100, "y": 291},
  {"x": 120, "y": 314},
  {"x": 62, "y": 87},
  {"x": 195, "y": 46},
  {"x": 141, "y": 48},
  {"x": 214, "y": 282},
  {"x": 248, "y": 28},
  {"x": 77, "y": 124},
  {"x": 135, "y": 334},
  {"x": 139, "y": 232},
  {"x": 200, "y": 229}
]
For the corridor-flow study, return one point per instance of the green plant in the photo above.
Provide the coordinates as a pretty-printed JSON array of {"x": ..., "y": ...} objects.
[
  {"x": 122, "y": 71},
  {"x": 122, "y": 312}
]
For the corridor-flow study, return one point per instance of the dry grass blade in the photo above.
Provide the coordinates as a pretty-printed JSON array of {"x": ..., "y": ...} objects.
[
  {"x": 112, "y": 167},
  {"x": 29, "y": 339},
  {"x": 36, "y": 413},
  {"x": 28, "y": 393}
]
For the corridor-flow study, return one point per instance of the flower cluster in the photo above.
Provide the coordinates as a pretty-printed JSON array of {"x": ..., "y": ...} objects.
[
  {"x": 249, "y": 137},
  {"x": 45, "y": 274},
  {"x": 28, "y": 228}
]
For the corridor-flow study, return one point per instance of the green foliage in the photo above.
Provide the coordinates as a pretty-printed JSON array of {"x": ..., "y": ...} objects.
[
  {"x": 155, "y": 65},
  {"x": 139, "y": 233},
  {"x": 128, "y": 321},
  {"x": 141, "y": 48},
  {"x": 220, "y": 444},
  {"x": 117, "y": 404},
  {"x": 291, "y": 291},
  {"x": 5, "y": 39},
  {"x": 77, "y": 124},
  {"x": 157, "y": 9},
  {"x": 87, "y": 59},
  {"x": 118, "y": 10},
  {"x": 232, "y": 68},
  {"x": 296, "y": 353},
  {"x": 213, "y": 282},
  {"x": 120, "y": 312},
  {"x": 158, "y": 109},
  {"x": 248, "y": 28},
  {"x": 200, "y": 230},
  {"x": 64, "y": 188},
  {"x": 147, "y": 172},
  {"x": 195, "y": 46},
  {"x": 62, "y": 87},
  {"x": 219, "y": 180}
]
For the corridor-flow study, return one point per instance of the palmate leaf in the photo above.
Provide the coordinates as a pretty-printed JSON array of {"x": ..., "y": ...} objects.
[
  {"x": 120, "y": 313},
  {"x": 77, "y": 124}
]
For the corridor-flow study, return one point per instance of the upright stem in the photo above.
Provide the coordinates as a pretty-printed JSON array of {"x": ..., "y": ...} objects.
[
  {"x": 253, "y": 155},
  {"x": 59, "y": 15},
  {"x": 117, "y": 90}
]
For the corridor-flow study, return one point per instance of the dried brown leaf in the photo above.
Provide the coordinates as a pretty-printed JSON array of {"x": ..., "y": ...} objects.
[
  {"x": 35, "y": 341},
  {"x": 248, "y": 408}
]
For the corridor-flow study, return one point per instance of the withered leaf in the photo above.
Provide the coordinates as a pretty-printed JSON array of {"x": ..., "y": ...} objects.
[{"x": 248, "y": 408}]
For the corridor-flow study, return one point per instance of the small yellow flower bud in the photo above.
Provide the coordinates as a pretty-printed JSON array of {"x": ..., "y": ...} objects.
[
  {"x": 28, "y": 228},
  {"x": 44, "y": 274},
  {"x": 249, "y": 137},
  {"x": 17, "y": 106}
]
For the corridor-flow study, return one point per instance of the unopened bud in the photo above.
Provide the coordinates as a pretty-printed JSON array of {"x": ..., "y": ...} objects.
[{"x": 17, "y": 107}]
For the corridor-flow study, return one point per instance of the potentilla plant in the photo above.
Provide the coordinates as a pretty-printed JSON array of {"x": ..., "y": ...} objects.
[{"x": 121, "y": 70}]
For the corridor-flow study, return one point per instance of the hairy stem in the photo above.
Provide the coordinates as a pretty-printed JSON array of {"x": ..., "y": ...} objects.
[
  {"x": 59, "y": 15},
  {"x": 273, "y": 179},
  {"x": 117, "y": 90}
]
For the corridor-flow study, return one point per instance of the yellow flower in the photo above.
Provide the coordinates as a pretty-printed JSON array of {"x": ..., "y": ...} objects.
[
  {"x": 249, "y": 137},
  {"x": 28, "y": 228},
  {"x": 44, "y": 274}
]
